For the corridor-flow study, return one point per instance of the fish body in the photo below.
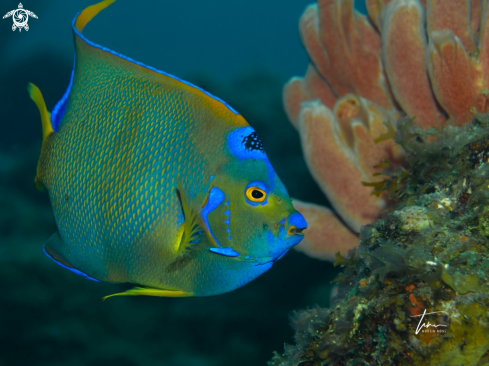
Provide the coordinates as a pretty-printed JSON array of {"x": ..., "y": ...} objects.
[{"x": 155, "y": 182}]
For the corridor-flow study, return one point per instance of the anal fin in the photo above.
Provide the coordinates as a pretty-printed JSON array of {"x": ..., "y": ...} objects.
[
  {"x": 148, "y": 291},
  {"x": 49, "y": 250}
]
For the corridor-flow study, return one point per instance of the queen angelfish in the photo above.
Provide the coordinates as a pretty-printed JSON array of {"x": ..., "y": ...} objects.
[{"x": 156, "y": 182}]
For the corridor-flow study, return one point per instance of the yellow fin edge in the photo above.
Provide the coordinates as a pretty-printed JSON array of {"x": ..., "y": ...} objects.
[
  {"x": 47, "y": 128},
  {"x": 36, "y": 96},
  {"x": 141, "y": 291},
  {"x": 89, "y": 13}
]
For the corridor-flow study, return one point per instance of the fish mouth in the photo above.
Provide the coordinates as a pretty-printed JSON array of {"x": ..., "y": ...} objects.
[
  {"x": 290, "y": 233},
  {"x": 295, "y": 231},
  {"x": 295, "y": 224}
]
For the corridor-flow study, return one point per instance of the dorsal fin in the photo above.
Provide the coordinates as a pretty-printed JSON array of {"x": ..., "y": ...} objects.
[
  {"x": 89, "y": 13},
  {"x": 93, "y": 58},
  {"x": 79, "y": 22},
  {"x": 97, "y": 62}
]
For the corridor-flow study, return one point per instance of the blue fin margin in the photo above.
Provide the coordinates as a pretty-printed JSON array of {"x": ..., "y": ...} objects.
[
  {"x": 59, "y": 108},
  {"x": 74, "y": 270}
]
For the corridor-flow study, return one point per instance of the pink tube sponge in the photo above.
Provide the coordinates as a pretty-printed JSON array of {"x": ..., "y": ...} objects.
[{"x": 425, "y": 59}]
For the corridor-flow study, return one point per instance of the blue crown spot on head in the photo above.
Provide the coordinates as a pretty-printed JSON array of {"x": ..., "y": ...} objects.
[
  {"x": 252, "y": 142},
  {"x": 245, "y": 144}
]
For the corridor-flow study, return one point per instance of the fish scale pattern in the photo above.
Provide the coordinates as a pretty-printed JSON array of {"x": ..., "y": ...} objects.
[
  {"x": 128, "y": 160},
  {"x": 138, "y": 162}
]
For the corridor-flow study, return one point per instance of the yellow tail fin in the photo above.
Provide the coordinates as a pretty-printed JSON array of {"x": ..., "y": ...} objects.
[{"x": 89, "y": 12}]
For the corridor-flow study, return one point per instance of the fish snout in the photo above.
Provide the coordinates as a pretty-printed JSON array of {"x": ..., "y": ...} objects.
[{"x": 296, "y": 224}]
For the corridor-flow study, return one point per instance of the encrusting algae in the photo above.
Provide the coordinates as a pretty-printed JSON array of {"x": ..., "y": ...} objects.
[{"x": 416, "y": 290}]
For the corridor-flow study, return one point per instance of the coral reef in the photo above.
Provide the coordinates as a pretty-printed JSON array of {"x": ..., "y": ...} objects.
[
  {"x": 424, "y": 263},
  {"x": 425, "y": 59}
]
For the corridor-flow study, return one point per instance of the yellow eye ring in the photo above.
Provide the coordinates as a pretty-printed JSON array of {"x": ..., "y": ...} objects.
[{"x": 255, "y": 194}]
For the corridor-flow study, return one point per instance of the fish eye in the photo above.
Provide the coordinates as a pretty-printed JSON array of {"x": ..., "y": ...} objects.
[{"x": 256, "y": 194}]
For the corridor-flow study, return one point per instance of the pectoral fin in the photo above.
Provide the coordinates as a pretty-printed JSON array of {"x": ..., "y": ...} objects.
[
  {"x": 189, "y": 234},
  {"x": 148, "y": 291}
]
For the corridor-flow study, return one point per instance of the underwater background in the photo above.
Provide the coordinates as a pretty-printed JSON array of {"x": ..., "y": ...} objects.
[{"x": 241, "y": 51}]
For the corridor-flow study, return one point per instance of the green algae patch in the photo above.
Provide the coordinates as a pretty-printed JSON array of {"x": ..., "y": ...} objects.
[
  {"x": 416, "y": 290},
  {"x": 461, "y": 282}
]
